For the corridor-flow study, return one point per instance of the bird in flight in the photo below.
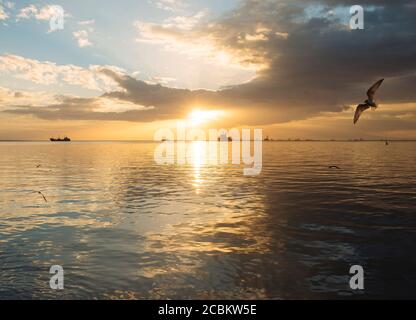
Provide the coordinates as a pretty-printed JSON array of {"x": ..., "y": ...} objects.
[
  {"x": 40, "y": 192},
  {"x": 369, "y": 102}
]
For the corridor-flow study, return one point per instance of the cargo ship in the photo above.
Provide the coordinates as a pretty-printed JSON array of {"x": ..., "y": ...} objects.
[{"x": 66, "y": 139}]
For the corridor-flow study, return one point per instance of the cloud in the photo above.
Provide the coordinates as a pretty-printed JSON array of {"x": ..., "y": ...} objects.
[
  {"x": 9, "y": 4},
  {"x": 161, "y": 80},
  {"x": 187, "y": 35},
  {"x": 10, "y": 98},
  {"x": 168, "y": 5},
  {"x": 86, "y": 22},
  {"x": 3, "y": 14},
  {"x": 319, "y": 65},
  {"x": 308, "y": 64},
  {"x": 48, "y": 73},
  {"x": 72, "y": 108},
  {"x": 28, "y": 12},
  {"x": 173, "y": 28},
  {"x": 135, "y": 101},
  {"x": 45, "y": 13},
  {"x": 186, "y": 22},
  {"x": 82, "y": 38}
]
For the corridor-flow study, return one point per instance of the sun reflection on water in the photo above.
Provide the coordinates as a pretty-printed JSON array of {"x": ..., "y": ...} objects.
[{"x": 198, "y": 158}]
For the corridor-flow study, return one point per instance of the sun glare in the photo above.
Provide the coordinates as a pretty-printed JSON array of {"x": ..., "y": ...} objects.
[{"x": 198, "y": 117}]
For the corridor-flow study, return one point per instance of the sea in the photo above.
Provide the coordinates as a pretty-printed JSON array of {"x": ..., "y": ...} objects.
[{"x": 122, "y": 226}]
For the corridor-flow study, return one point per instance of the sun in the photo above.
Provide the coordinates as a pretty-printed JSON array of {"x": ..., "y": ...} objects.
[{"x": 198, "y": 117}]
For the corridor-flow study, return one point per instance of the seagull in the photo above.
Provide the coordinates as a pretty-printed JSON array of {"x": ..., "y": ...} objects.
[
  {"x": 334, "y": 167},
  {"x": 369, "y": 102},
  {"x": 40, "y": 192}
]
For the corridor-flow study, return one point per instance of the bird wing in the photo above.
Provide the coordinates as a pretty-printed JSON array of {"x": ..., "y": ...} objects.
[
  {"x": 360, "y": 109},
  {"x": 44, "y": 198},
  {"x": 371, "y": 92}
]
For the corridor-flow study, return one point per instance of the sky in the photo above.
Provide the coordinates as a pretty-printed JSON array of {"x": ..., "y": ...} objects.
[{"x": 123, "y": 70}]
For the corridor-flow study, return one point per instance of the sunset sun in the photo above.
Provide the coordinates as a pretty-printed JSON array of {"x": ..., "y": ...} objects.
[{"x": 198, "y": 117}]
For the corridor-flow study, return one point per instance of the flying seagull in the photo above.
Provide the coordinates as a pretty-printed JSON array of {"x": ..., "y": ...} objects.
[
  {"x": 369, "y": 102},
  {"x": 40, "y": 192}
]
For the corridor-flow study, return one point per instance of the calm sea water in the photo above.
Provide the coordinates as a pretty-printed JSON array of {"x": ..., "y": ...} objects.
[{"x": 123, "y": 227}]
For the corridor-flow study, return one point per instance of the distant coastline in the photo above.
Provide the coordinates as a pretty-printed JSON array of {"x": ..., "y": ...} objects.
[{"x": 270, "y": 141}]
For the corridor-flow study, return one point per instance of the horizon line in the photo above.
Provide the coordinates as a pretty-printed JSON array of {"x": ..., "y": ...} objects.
[{"x": 274, "y": 140}]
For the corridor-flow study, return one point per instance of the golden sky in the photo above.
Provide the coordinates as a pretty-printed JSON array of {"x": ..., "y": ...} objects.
[{"x": 291, "y": 68}]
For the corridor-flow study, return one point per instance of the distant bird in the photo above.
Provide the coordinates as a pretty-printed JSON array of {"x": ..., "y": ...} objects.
[
  {"x": 334, "y": 167},
  {"x": 369, "y": 102},
  {"x": 44, "y": 198},
  {"x": 38, "y": 166}
]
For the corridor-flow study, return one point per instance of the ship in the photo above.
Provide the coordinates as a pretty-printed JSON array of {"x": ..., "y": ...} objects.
[
  {"x": 66, "y": 139},
  {"x": 223, "y": 137}
]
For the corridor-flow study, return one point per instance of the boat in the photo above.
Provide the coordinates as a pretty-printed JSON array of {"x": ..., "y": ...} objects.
[
  {"x": 66, "y": 139},
  {"x": 224, "y": 137}
]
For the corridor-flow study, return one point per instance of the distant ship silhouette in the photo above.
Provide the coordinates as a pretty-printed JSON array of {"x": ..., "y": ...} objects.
[
  {"x": 223, "y": 137},
  {"x": 66, "y": 139}
]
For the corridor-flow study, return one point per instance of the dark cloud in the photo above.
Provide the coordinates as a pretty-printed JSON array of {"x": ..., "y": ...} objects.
[
  {"x": 312, "y": 63},
  {"x": 83, "y": 109},
  {"x": 322, "y": 65},
  {"x": 168, "y": 102}
]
